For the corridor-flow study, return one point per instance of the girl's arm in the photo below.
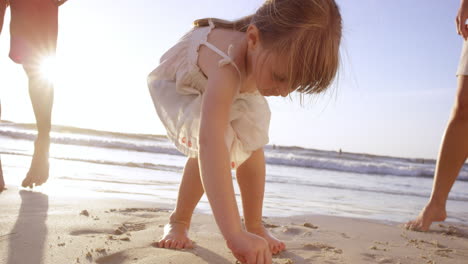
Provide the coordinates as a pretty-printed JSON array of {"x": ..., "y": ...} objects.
[
  {"x": 214, "y": 158},
  {"x": 214, "y": 155}
]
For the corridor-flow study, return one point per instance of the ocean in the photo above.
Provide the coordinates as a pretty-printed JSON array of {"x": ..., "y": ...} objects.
[{"x": 299, "y": 181}]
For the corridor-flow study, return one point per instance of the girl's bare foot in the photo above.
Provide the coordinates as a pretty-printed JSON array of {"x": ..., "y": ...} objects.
[
  {"x": 175, "y": 237},
  {"x": 276, "y": 246},
  {"x": 430, "y": 213}
]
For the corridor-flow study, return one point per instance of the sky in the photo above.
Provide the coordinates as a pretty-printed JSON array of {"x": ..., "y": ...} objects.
[{"x": 393, "y": 95}]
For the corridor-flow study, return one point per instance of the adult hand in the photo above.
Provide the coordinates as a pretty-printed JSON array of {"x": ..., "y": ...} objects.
[
  {"x": 461, "y": 19},
  {"x": 249, "y": 248}
]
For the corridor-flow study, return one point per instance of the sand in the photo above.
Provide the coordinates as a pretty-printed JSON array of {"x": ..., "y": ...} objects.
[{"x": 37, "y": 227}]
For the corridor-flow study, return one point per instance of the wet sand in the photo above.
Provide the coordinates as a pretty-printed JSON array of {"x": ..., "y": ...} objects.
[{"x": 38, "y": 227}]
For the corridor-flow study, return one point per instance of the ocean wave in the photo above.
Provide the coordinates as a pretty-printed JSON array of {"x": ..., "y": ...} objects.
[
  {"x": 389, "y": 191},
  {"x": 356, "y": 165},
  {"x": 275, "y": 155}
]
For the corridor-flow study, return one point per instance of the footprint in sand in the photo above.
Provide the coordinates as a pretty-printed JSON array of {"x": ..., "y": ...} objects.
[
  {"x": 322, "y": 247},
  {"x": 269, "y": 225},
  {"x": 455, "y": 231},
  {"x": 443, "y": 252},
  {"x": 84, "y": 232},
  {"x": 100, "y": 255},
  {"x": 379, "y": 259},
  {"x": 374, "y": 247},
  {"x": 118, "y": 257},
  {"x": 129, "y": 227},
  {"x": 122, "y": 229},
  {"x": 293, "y": 230},
  {"x": 434, "y": 245},
  {"x": 385, "y": 260},
  {"x": 140, "y": 212},
  {"x": 323, "y": 253}
]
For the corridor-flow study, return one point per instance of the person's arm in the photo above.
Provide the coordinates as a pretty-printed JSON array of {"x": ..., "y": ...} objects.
[
  {"x": 215, "y": 171},
  {"x": 213, "y": 151},
  {"x": 460, "y": 20}
]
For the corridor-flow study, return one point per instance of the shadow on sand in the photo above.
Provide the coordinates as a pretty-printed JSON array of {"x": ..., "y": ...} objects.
[{"x": 27, "y": 242}]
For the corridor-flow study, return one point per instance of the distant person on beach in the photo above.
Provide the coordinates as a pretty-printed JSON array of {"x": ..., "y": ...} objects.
[
  {"x": 209, "y": 93},
  {"x": 33, "y": 30},
  {"x": 454, "y": 149}
]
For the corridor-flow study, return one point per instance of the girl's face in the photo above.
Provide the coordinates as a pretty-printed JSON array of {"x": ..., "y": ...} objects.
[
  {"x": 270, "y": 74},
  {"x": 268, "y": 70}
]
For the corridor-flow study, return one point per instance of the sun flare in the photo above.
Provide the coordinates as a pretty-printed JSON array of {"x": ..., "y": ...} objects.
[{"x": 48, "y": 69}]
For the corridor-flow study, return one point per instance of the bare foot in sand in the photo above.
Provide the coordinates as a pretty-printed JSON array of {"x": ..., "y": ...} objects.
[
  {"x": 276, "y": 246},
  {"x": 430, "y": 213},
  {"x": 175, "y": 237},
  {"x": 39, "y": 171}
]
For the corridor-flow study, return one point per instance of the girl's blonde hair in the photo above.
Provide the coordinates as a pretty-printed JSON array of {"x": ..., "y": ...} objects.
[{"x": 308, "y": 32}]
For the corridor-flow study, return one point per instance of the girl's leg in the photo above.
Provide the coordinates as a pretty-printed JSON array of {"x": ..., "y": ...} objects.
[
  {"x": 452, "y": 156},
  {"x": 251, "y": 178},
  {"x": 190, "y": 191}
]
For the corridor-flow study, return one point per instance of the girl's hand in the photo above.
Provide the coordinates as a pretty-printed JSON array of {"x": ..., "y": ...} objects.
[
  {"x": 461, "y": 19},
  {"x": 249, "y": 248}
]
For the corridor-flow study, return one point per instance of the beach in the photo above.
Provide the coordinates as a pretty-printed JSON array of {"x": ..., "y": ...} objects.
[
  {"x": 109, "y": 196},
  {"x": 38, "y": 227}
]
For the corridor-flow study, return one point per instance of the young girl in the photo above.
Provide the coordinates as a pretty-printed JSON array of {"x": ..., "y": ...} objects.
[{"x": 209, "y": 93}]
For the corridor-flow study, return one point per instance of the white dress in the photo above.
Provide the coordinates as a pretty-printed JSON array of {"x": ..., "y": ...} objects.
[{"x": 177, "y": 86}]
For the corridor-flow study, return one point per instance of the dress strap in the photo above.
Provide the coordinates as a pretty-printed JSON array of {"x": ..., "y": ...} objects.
[{"x": 227, "y": 58}]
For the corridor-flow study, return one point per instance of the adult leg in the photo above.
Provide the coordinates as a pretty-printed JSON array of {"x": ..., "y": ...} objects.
[
  {"x": 452, "y": 156},
  {"x": 2, "y": 182},
  {"x": 251, "y": 179},
  {"x": 41, "y": 93},
  {"x": 2, "y": 13},
  {"x": 34, "y": 27},
  {"x": 190, "y": 191}
]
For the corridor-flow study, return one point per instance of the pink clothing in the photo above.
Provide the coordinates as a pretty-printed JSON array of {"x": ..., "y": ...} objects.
[{"x": 33, "y": 29}]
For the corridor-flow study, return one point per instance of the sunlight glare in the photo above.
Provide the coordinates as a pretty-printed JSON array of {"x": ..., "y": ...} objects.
[{"x": 48, "y": 68}]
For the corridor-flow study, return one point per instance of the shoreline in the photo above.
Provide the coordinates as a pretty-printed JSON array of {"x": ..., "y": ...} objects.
[
  {"x": 67, "y": 129},
  {"x": 55, "y": 228}
]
